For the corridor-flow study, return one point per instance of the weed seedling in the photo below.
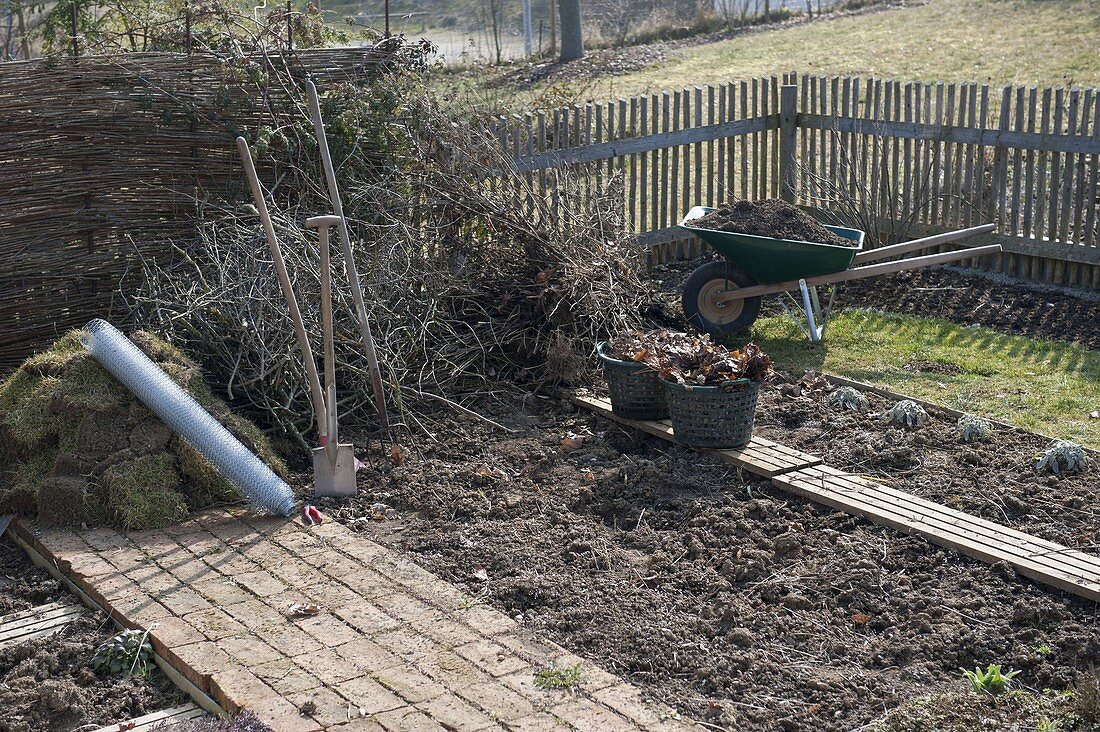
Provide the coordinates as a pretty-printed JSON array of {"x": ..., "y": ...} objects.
[
  {"x": 126, "y": 654},
  {"x": 480, "y": 598},
  {"x": 990, "y": 681},
  {"x": 553, "y": 677}
]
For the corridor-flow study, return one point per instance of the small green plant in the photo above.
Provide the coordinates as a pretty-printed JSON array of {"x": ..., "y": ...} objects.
[
  {"x": 1063, "y": 457},
  {"x": 848, "y": 398},
  {"x": 1044, "y": 649},
  {"x": 481, "y": 598},
  {"x": 908, "y": 413},
  {"x": 553, "y": 677},
  {"x": 973, "y": 428},
  {"x": 126, "y": 654},
  {"x": 990, "y": 681},
  {"x": 1048, "y": 725}
]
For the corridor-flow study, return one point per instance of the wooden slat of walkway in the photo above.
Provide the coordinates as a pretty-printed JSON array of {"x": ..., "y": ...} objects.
[
  {"x": 1044, "y": 561},
  {"x": 156, "y": 720},
  {"x": 37, "y": 622},
  {"x": 760, "y": 456}
]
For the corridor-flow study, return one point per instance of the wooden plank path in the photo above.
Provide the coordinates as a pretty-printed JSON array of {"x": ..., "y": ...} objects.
[
  {"x": 156, "y": 720},
  {"x": 762, "y": 457},
  {"x": 1045, "y": 561},
  {"x": 37, "y": 622}
]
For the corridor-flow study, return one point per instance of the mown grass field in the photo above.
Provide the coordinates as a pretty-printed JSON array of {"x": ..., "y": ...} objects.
[
  {"x": 996, "y": 41},
  {"x": 1042, "y": 386}
]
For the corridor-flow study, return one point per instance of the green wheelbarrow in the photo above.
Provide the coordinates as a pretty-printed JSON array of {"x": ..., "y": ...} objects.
[{"x": 723, "y": 297}]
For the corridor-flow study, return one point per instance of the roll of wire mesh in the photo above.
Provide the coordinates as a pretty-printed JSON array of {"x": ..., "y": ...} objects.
[{"x": 179, "y": 410}]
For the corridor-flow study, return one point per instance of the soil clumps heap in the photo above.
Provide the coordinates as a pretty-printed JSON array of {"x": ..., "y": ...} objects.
[{"x": 76, "y": 447}]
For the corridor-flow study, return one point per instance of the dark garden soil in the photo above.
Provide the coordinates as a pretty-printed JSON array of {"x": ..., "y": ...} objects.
[
  {"x": 740, "y": 605},
  {"x": 996, "y": 480},
  {"x": 47, "y": 685},
  {"x": 772, "y": 217},
  {"x": 966, "y": 298}
]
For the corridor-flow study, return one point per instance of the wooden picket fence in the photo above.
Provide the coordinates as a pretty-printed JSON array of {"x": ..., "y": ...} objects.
[{"x": 898, "y": 159}]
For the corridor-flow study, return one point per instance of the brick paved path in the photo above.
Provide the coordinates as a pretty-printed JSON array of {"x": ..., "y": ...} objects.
[{"x": 393, "y": 648}]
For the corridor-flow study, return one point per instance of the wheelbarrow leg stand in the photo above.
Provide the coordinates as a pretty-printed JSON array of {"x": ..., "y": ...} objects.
[{"x": 813, "y": 318}]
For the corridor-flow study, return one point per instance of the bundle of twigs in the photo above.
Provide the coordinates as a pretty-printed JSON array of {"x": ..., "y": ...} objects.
[{"x": 471, "y": 277}]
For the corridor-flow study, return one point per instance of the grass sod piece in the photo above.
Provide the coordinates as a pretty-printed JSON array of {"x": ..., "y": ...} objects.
[
  {"x": 144, "y": 493},
  {"x": 79, "y": 448}
]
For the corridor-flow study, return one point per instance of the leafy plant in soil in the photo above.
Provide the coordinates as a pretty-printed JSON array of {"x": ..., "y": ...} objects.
[
  {"x": 125, "y": 654},
  {"x": 848, "y": 398},
  {"x": 990, "y": 681},
  {"x": 973, "y": 428},
  {"x": 1063, "y": 458},
  {"x": 773, "y": 217},
  {"x": 908, "y": 413},
  {"x": 553, "y": 677},
  {"x": 694, "y": 360}
]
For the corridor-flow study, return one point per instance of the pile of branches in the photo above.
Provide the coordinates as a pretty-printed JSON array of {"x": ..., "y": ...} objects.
[
  {"x": 472, "y": 277},
  {"x": 691, "y": 359}
]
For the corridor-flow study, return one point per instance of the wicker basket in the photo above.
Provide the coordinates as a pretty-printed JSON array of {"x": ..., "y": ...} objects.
[
  {"x": 713, "y": 416},
  {"x": 636, "y": 392}
]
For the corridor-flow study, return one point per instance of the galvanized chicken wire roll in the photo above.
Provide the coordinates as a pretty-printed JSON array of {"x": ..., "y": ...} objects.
[
  {"x": 179, "y": 410},
  {"x": 718, "y": 416},
  {"x": 636, "y": 390}
]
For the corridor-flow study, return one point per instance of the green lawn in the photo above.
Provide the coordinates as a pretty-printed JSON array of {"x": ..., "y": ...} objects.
[
  {"x": 996, "y": 41},
  {"x": 1038, "y": 385}
]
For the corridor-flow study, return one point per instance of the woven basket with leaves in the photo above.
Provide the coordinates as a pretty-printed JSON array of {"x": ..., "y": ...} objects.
[
  {"x": 636, "y": 391},
  {"x": 719, "y": 416}
]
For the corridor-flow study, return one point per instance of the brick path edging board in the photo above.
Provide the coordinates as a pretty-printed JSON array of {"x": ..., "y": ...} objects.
[{"x": 392, "y": 648}]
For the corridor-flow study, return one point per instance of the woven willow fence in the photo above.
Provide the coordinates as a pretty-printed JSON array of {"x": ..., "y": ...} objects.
[
  {"x": 901, "y": 159},
  {"x": 103, "y": 160}
]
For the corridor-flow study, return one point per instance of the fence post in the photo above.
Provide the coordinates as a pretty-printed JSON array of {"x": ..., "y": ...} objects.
[{"x": 788, "y": 118}]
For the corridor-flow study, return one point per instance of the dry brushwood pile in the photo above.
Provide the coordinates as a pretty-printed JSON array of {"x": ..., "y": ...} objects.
[
  {"x": 468, "y": 281},
  {"x": 79, "y": 448},
  {"x": 687, "y": 359},
  {"x": 773, "y": 217}
]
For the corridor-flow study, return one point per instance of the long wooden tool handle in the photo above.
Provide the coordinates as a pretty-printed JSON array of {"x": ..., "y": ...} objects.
[
  {"x": 316, "y": 395},
  {"x": 349, "y": 262},
  {"x": 905, "y": 247},
  {"x": 859, "y": 273},
  {"x": 330, "y": 349}
]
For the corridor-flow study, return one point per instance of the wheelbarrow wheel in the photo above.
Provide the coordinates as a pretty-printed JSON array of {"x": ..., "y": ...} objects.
[{"x": 718, "y": 319}]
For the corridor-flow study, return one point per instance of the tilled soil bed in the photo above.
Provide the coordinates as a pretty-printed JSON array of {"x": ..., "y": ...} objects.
[
  {"x": 742, "y": 606},
  {"x": 47, "y": 685},
  {"x": 996, "y": 479}
]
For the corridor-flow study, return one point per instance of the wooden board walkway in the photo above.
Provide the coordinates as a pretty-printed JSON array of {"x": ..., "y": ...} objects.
[
  {"x": 762, "y": 457},
  {"x": 1052, "y": 564},
  {"x": 156, "y": 720},
  {"x": 1044, "y": 561},
  {"x": 37, "y": 622}
]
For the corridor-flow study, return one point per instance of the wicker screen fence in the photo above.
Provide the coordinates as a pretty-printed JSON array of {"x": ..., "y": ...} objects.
[
  {"x": 104, "y": 159},
  {"x": 901, "y": 158}
]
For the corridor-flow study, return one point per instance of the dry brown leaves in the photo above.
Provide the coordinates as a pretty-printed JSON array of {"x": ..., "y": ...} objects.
[{"x": 691, "y": 359}]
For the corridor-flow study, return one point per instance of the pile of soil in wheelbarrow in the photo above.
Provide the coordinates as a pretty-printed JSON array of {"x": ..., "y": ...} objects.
[
  {"x": 48, "y": 683},
  {"x": 773, "y": 217},
  {"x": 76, "y": 447},
  {"x": 740, "y": 605}
]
